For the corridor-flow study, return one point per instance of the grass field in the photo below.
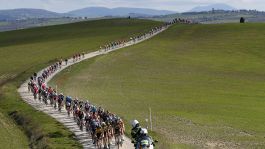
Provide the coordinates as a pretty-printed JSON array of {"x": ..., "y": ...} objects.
[
  {"x": 11, "y": 136},
  {"x": 204, "y": 83},
  {"x": 23, "y": 52}
]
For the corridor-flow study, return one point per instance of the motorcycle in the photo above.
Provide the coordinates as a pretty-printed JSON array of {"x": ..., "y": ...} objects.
[{"x": 146, "y": 143}]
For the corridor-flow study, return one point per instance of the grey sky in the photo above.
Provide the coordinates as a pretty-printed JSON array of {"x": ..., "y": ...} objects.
[{"x": 175, "y": 5}]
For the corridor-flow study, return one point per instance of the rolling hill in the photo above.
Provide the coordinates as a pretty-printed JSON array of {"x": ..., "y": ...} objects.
[
  {"x": 219, "y": 6},
  {"x": 24, "y": 52},
  {"x": 94, "y": 12},
  {"x": 204, "y": 84},
  {"x": 22, "y": 14},
  {"x": 90, "y": 12},
  {"x": 216, "y": 17}
]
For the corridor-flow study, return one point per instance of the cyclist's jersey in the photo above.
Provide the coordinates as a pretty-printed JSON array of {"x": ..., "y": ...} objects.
[
  {"x": 94, "y": 116},
  {"x": 68, "y": 105},
  {"x": 93, "y": 125},
  {"x": 80, "y": 114},
  {"x": 43, "y": 86},
  {"x": 50, "y": 90},
  {"x": 87, "y": 118},
  {"x": 74, "y": 106},
  {"x": 109, "y": 128},
  {"x": 55, "y": 96},
  {"x": 118, "y": 127},
  {"x": 36, "y": 89},
  {"x": 99, "y": 130},
  {"x": 68, "y": 99},
  {"x": 105, "y": 129},
  {"x": 45, "y": 94},
  {"x": 87, "y": 107},
  {"x": 94, "y": 109},
  {"x": 60, "y": 100}
]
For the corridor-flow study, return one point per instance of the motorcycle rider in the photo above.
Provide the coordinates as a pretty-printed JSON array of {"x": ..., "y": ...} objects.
[
  {"x": 136, "y": 130},
  {"x": 144, "y": 140}
]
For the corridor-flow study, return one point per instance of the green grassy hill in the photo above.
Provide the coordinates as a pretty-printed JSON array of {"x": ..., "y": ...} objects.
[
  {"x": 23, "y": 52},
  {"x": 11, "y": 136},
  {"x": 204, "y": 83}
]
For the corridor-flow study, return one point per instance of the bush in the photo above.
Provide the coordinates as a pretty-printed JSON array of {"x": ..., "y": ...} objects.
[{"x": 242, "y": 20}]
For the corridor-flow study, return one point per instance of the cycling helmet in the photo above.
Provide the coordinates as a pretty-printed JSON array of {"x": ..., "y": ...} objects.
[
  {"x": 103, "y": 124},
  {"x": 144, "y": 131},
  {"x": 134, "y": 123}
]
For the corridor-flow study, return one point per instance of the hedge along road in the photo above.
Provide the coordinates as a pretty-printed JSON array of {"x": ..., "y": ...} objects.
[{"x": 82, "y": 136}]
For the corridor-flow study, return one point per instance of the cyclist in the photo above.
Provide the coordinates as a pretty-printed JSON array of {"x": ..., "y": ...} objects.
[
  {"x": 80, "y": 119},
  {"x": 99, "y": 134},
  {"x": 60, "y": 101},
  {"x": 105, "y": 134}
]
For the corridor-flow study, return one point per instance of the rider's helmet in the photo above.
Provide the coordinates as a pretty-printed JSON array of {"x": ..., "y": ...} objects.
[
  {"x": 134, "y": 123},
  {"x": 144, "y": 131},
  {"x": 103, "y": 124},
  {"x": 98, "y": 125},
  {"x": 119, "y": 119},
  {"x": 108, "y": 123}
]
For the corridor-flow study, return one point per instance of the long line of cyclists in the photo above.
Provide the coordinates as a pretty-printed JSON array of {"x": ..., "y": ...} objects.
[
  {"x": 102, "y": 125},
  {"x": 120, "y": 43}
]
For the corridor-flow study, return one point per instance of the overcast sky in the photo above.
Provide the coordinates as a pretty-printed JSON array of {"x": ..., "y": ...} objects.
[{"x": 175, "y": 5}]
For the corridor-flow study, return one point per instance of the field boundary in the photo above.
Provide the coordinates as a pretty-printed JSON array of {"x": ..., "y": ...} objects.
[{"x": 81, "y": 136}]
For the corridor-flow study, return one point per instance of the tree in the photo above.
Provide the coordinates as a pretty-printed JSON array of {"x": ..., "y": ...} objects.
[{"x": 242, "y": 20}]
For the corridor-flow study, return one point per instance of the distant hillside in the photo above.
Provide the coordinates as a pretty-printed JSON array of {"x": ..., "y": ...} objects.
[
  {"x": 210, "y": 7},
  {"x": 218, "y": 16},
  {"x": 20, "y": 14},
  {"x": 121, "y": 11}
]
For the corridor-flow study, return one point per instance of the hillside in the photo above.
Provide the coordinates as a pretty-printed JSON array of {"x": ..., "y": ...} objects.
[
  {"x": 90, "y": 12},
  {"x": 204, "y": 84},
  {"x": 93, "y": 12},
  {"x": 26, "y": 51},
  {"x": 219, "y": 6},
  {"x": 216, "y": 16},
  {"x": 22, "y": 14}
]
